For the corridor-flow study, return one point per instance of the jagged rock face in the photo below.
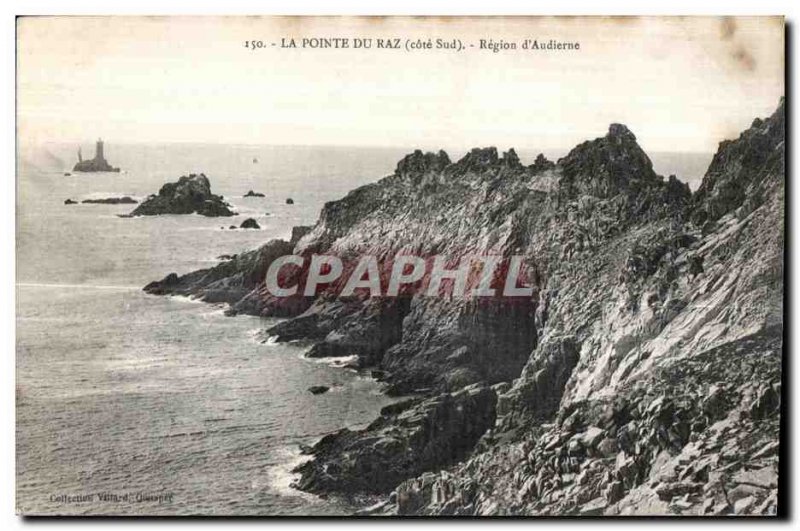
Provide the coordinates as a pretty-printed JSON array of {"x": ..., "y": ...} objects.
[
  {"x": 405, "y": 441},
  {"x": 743, "y": 171},
  {"x": 541, "y": 164},
  {"x": 230, "y": 281},
  {"x": 647, "y": 301},
  {"x": 672, "y": 406},
  {"x": 541, "y": 384},
  {"x": 428, "y": 342},
  {"x": 693, "y": 439},
  {"x": 477, "y": 341},
  {"x": 190, "y": 194},
  {"x": 419, "y": 163},
  {"x": 607, "y": 166}
]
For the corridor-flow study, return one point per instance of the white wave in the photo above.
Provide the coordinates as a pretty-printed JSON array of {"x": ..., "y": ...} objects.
[
  {"x": 339, "y": 361},
  {"x": 271, "y": 340},
  {"x": 281, "y": 477}
]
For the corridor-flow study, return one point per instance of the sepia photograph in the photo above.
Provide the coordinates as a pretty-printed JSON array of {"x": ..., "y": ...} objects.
[{"x": 400, "y": 266}]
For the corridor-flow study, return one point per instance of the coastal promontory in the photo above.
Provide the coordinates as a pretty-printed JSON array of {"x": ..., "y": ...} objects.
[{"x": 640, "y": 376}]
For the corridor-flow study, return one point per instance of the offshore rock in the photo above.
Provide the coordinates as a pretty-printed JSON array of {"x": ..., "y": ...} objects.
[
  {"x": 190, "y": 194},
  {"x": 249, "y": 223},
  {"x": 112, "y": 201}
]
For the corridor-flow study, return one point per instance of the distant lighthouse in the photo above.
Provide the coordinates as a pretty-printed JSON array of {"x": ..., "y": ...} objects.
[{"x": 97, "y": 164}]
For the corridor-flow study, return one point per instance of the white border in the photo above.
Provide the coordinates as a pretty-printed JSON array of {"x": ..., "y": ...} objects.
[{"x": 417, "y": 7}]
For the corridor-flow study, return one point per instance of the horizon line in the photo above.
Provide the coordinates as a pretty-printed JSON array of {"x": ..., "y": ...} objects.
[{"x": 345, "y": 146}]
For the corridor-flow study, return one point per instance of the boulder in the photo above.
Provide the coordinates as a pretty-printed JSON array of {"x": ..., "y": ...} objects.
[{"x": 249, "y": 223}]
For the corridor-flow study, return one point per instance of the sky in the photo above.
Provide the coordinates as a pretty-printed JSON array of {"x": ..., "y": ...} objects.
[{"x": 680, "y": 84}]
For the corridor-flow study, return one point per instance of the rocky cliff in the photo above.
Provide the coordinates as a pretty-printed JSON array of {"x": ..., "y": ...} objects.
[
  {"x": 641, "y": 376},
  {"x": 190, "y": 194}
]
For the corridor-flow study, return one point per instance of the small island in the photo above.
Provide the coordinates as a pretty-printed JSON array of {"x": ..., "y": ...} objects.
[
  {"x": 111, "y": 201},
  {"x": 249, "y": 223},
  {"x": 190, "y": 194},
  {"x": 97, "y": 164}
]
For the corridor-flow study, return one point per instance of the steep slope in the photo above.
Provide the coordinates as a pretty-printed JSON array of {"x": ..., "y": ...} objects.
[{"x": 672, "y": 406}]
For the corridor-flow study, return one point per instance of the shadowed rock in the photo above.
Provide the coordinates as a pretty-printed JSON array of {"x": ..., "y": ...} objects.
[
  {"x": 190, "y": 194},
  {"x": 400, "y": 444},
  {"x": 112, "y": 201},
  {"x": 640, "y": 376},
  {"x": 249, "y": 223}
]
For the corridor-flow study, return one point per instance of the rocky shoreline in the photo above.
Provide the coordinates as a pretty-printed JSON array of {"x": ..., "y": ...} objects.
[{"x": 643, "y": 376}]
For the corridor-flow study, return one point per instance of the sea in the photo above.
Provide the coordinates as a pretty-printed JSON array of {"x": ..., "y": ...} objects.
[{"x": 133, "y": 404}]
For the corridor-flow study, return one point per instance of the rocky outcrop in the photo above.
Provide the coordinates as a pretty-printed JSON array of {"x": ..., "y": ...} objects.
[
  {"x": 94, "y": 165},
  {"x": 70, "y": 202},
  {"x": 112, "y": 201},
  {"x": 251, "y": 193},
  {"x": 298, "y": 232},
  {"x": 229, "y": 281},
  {"x": 739, "y": 172},
  {"x": 542, "y": 164},
  {"x": 190, "y": 194},
  {"x": 641, "y": 375},
  {"x": 405, "y": 441},
  {"x": 249, "y": 223},
  {"x": 672, "y": 405},
  {"x": 698, "y": 438}
]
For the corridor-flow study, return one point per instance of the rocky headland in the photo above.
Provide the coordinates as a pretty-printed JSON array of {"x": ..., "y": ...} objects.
[
  {"x": 189, "y": 195},
  {"x": 642, "y": 376}
]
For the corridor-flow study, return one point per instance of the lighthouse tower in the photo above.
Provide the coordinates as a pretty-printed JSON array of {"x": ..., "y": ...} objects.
[{"x": 98, "y": 153}]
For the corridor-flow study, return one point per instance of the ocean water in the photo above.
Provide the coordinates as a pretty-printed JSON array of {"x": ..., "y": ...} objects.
[
  {"x": 164, "y": 405},
  {"x": 120, "y": 392}
]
